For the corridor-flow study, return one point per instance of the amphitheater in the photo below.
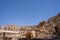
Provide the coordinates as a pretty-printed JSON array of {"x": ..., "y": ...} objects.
[{"x": 46, "y": 30}]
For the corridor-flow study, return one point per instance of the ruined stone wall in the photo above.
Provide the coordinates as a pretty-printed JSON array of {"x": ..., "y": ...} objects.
[
  {"x": 56, "y": 21},
  {"x": 11, "y": 27}
]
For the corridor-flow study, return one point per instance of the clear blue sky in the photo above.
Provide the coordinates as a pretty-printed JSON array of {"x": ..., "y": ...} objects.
[{"x": 27, "y": 12}]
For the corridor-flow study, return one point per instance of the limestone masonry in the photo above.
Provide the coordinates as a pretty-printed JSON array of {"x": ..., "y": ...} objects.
[{"x": 46, "y": 29}]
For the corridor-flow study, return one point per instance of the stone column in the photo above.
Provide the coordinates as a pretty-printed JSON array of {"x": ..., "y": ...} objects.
[{"x": 3, "y": 36}]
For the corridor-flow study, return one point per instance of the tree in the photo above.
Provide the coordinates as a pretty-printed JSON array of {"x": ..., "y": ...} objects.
[
  {"x": 28, "y": 35},
  {"x": 43, "y": 23}
]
